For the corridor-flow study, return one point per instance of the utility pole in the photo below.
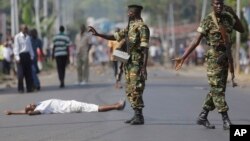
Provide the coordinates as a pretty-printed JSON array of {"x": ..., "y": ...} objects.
[
  {"x": 237, "y": 58},
  {"x": 45, "y": 14},
  {"x": 58, "y": 14},
  {"x": 14, "y": 17},
  {"x": 173, "y": 44},
  {"x": 159, "y": 19},
  {"x": 12, "y": 4},
  {"x": 37, "y": 15},
  {"x": 204, "y": 7}
]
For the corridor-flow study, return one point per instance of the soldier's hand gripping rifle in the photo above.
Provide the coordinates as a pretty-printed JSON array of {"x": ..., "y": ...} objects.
[
  {"x": 228, "y": 54},
  {"x": 119, "y": 75}
]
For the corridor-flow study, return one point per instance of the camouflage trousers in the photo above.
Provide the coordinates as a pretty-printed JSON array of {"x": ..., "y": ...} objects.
[
  {"x": 217, "y": 79},
  {"x": 135, "y": 85}
]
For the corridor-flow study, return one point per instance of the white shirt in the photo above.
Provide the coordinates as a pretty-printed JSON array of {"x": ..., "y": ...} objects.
[
  {"x": 22, "y": 44},
  {"x": 54, "y": 106},
  {"x": 7, "y": 52}
]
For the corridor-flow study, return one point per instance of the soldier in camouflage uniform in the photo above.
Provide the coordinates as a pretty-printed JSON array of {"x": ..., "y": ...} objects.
[
  {"x": 217, "y": 73},
  {"x": 135, "y": 69}
]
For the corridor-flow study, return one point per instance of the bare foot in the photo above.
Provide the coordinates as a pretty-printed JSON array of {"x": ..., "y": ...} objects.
[{"x": 121, "y": 104}]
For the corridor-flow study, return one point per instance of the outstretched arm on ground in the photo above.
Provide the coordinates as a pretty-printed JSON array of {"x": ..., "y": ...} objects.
[
  {"x": 120, "y": 105},
  {"x": 19, "y": 112}
]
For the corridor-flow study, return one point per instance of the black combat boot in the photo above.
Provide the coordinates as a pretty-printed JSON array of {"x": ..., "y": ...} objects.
[
  {"x": 226, "y": 121},
  {"x": 202, "y": 119},
  {"x": 138, "y": 118},
  {"x": 129, "y": 120}
]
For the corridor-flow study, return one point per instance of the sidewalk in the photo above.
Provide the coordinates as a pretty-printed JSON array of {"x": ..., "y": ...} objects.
[
  {"x": 242, "y": 79},
  {"x": 7, "y": 81}
]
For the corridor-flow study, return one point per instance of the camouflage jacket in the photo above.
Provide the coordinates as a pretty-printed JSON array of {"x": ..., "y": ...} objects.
[
  {"x": 138, "y": 35},
  {"x": 211, "y": 32}
]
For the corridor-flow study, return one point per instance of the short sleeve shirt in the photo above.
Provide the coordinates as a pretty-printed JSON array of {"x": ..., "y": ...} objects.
[
  {"x": 211, "y": 32},
  {"x": 82, "y": 44},
  {"x": 138, "y": 34},
  {"x": 55, "y": 106}
]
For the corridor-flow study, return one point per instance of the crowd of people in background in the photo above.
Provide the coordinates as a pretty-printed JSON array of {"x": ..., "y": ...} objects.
[{"x": 83, "y": 52}]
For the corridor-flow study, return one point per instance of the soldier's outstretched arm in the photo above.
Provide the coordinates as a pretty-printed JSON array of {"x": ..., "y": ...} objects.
[
  {"x": 192, "y": 46},
  {"x": 95, "y": 33}
]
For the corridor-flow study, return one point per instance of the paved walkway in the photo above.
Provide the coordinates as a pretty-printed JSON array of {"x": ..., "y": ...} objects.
[
  {"x": 242, "y": 79},
  {"x": 189, "y": 71}
]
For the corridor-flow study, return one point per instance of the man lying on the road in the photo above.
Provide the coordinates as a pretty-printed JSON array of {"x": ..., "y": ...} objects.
[{"x": 55, "y": 106}]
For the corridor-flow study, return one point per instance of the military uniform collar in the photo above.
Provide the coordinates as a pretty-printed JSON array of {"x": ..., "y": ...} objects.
[
  {"x": 136, "y": 21},
  {"x": 222, "y": 14}
]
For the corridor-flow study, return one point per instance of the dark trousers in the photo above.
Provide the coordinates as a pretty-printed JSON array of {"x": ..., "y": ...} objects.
[
  {"x": 61, "y": 62},
  {"x": 24, "y": 71},
  {"x": 6, "y": 67}
]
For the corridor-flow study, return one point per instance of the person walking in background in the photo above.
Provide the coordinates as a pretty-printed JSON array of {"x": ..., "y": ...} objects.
[
  {"x": 137, "y": 35},
  {"x": 222, "y": 17},
  {"x": 113, "y": 45},
  {"x": 61, "y": 53},
  {"x": 10, "y": 43},
  {"x": 200, "y": 51},
  {"x": 1, "y": 53},
  {"x": 24, "y": 56},
  {"x": 37, "y": 47},
  {"x": 8, "y": 57},
  {"x": 83, "y": 44}
]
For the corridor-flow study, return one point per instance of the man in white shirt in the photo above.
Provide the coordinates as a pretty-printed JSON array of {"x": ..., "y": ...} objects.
[
  {"x": 58, "y": 106},
  {"x": 24, "y": 55}
]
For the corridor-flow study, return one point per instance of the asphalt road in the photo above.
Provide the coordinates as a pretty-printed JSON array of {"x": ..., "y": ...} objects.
[{"x": 172, "y": 104}]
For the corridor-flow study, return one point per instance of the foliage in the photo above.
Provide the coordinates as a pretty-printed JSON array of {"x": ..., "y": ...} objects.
[
  {"x": 188, "y": 12},
  {"x": 27, "y": 15},
  {"x": 5, "y": 6},
  {"x": 243, "y": 36},
  {"x": 48, "y": 65},
  {"x": 47, "y": 25},
  {"x": 234, "y": 2}
]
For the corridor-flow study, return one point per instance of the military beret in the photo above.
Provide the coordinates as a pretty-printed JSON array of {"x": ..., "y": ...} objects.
[{"x": 137, "y": 7}]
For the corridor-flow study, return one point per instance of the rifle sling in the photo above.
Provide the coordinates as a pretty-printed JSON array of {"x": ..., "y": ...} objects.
[{"x": 221, "y": 29}]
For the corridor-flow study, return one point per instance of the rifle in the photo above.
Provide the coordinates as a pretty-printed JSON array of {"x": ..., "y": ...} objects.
[
  {"x": 124, "y": 46},
  {"x": 119, "y": 75},
  {"x": 228, "y": 54},
  {"x": 122, "y": 53}
]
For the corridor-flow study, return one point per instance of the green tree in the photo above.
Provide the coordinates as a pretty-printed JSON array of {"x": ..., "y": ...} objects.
[
  {"x": 27, "y": 14},
  {"x": 244, "y": 36}
]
